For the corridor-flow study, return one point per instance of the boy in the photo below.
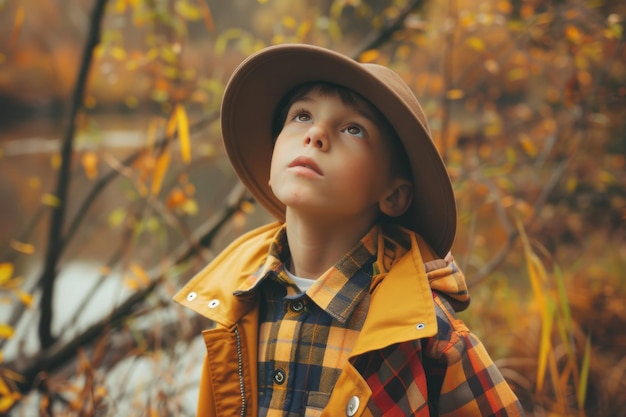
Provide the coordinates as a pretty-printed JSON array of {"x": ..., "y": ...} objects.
[{"x": 346, "y": 305}]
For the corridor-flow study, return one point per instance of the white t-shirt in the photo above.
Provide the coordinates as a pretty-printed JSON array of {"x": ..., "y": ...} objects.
[{"x": 302, "y": 283}]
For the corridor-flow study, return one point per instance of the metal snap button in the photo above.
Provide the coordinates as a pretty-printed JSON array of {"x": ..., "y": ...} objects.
[
  {"x": 297, "y": 307},
  {"x": 214, "y": 303},
  {"x": 279, "y": 376},
  {"x": 191, "y": 296},
  {"x": 353, "y": 406}
]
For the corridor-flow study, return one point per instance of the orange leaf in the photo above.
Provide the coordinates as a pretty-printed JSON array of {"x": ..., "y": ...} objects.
[
  {"x": 140, "y": 274},
  {"x": 207, "y": 16},
  {"x": 162, "y": 164},
  {"x": 455, "y": 94},
  {"x": 25, "y": 298},
  {"x": 176, "y": 198},
  {"x": 369, "y": 55},
  {"x": 89, "y": 162}
]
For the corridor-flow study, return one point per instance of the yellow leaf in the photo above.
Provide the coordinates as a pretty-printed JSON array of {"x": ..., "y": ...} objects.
[
  {"x": 584, "y": 374},
  {"x": 131, "y": 283},
  {"x": 50, "y": 200},
  {"x": 6, "y": 272},
  {"x": 528, "y": 146},
  {"x": 116, "y": 217},
  {"x": 190, "y": 207},
  {"x": 168, "y": 54},
  {"x": 162, "y": 164},
  {"x": 118, "y": 53},
  {"x": 120, "y": 6},
  {"x": 303, "y": 29},
  {"x": 183, "y": 133},
  {"x": 334, "y": 30},
  {"x": 188, "y": 11},
  {"x": 289, "y": 22},
  {"x": 516, "y": 74},
  {"x": 172, "y": 123},
  {"x": 6, "y": 402},
  {"x": 571, "y": 185},
  {"x": 55, "y": 161},
  {"x": 476, "y": 44},
  {"x": 369, "y": 56},
  {"x": 6, "y": 331}
]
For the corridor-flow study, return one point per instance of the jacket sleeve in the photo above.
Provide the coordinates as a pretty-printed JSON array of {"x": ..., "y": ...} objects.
[{"x": 459, "y": 369}]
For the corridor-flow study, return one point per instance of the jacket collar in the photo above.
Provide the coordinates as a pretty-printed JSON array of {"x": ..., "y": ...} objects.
[{"x": 401, "y": 305}]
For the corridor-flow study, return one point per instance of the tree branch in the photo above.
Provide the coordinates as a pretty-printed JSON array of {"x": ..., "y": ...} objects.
[
  {"x": 55, "y": 237},
  {"x": 56, "y": 356}
]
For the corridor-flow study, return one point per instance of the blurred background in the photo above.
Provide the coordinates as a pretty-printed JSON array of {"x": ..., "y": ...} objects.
[{"x": 115, "y": 190}]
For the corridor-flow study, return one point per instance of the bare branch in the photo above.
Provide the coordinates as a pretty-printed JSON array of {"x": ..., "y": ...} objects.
[{"x": 58, "y": 213}]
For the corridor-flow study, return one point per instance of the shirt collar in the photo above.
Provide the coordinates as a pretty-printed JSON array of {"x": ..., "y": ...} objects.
[{"x": 338, "y": 290}]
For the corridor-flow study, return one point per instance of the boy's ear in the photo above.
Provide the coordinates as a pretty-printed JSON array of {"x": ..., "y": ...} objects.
[{"x": 398, "y": 199}]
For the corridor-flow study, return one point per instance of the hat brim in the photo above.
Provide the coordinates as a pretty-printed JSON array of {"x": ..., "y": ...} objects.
[{"x": 263, "y": 79}]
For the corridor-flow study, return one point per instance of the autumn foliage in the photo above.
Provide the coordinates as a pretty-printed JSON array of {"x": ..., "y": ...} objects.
[{"x": 129, "y": 193}]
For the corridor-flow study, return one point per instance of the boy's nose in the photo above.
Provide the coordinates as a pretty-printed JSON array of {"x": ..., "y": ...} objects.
[{"x": 316, "y": 136}]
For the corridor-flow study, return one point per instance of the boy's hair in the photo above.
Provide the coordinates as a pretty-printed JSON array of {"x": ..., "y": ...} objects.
[{"x": 399, "y": 165}]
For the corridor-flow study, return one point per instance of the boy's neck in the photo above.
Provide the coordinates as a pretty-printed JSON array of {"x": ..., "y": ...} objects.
[{"x": 316, "y": 246}]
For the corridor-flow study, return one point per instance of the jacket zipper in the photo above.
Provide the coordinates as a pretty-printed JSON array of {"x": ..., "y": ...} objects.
[{"x": 240, "y": 372}]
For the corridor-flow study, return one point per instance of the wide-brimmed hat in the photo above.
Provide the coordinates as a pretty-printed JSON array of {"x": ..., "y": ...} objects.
[{"x": 260, "y": 83}]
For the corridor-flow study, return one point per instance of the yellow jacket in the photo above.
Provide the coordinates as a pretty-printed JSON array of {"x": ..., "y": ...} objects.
[{"x": 402, "y": 309}]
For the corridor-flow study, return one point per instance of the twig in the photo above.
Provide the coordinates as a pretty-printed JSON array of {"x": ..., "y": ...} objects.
[
  {"x": 377, "y": 39},
  {"x": 57, "y": 218}
]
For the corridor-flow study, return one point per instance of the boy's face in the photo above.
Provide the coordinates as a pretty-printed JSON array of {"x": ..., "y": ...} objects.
[{"x": 331, "y": 159}]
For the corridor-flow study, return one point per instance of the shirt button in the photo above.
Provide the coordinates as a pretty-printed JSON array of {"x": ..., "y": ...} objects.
[
  {"x": 279, "y": 376},
  {"x": 297, "y": 306},
  {"x": 353, "y": 406}
]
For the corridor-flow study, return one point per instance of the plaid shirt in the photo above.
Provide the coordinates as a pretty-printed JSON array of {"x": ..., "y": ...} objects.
[{"x": 305, "y": 338}]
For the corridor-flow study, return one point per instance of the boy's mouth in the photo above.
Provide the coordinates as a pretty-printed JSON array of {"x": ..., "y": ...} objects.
[{"x": 305, "y": 162}]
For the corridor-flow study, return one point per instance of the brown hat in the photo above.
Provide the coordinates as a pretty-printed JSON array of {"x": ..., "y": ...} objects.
[{"x": 256, "y": 88}]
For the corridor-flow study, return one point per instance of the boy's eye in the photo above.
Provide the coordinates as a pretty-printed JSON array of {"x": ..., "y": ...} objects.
[
  {"x": 354, "y": 131},
  {"x": 302, "y": 117}
]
